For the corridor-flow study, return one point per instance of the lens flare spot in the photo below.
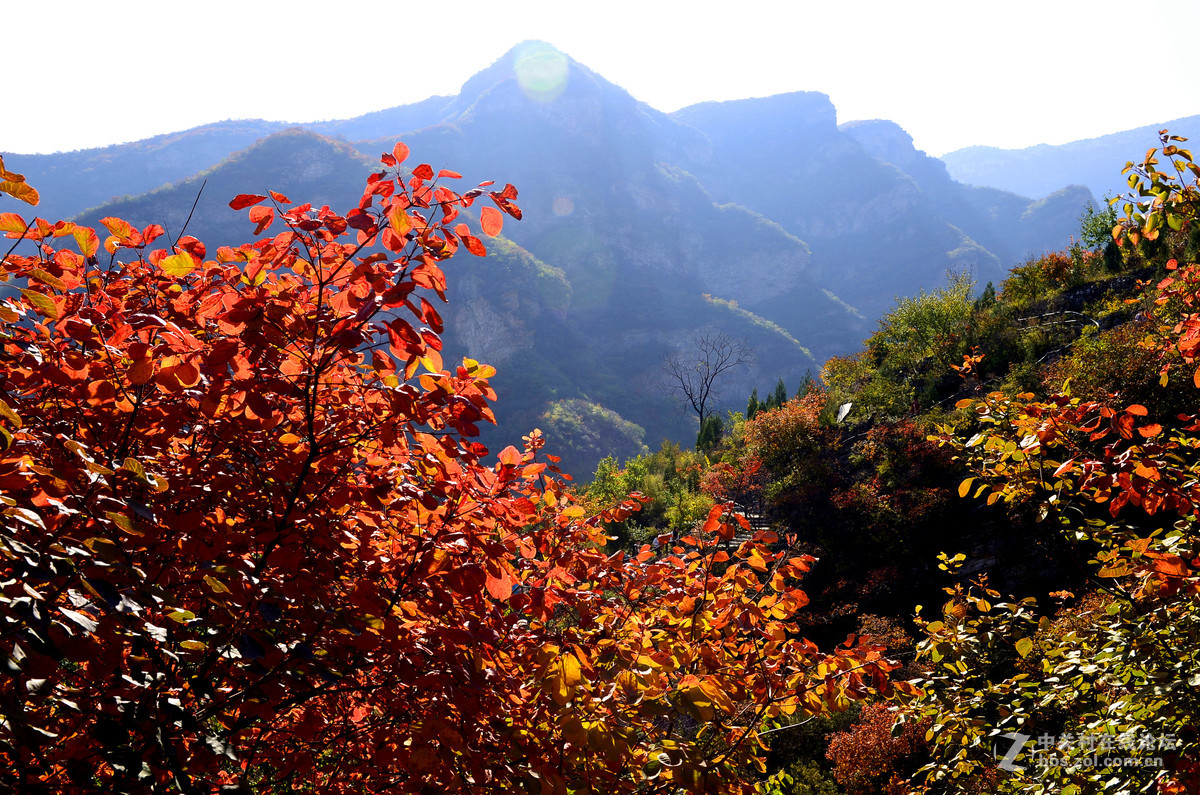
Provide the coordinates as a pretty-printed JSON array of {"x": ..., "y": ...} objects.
[
  {"x": 563, "y": 206},
  {"x": 541, "y": 71}
]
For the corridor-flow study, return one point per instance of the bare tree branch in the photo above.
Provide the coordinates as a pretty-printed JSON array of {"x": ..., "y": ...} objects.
[{"x": 692, "y": 375}]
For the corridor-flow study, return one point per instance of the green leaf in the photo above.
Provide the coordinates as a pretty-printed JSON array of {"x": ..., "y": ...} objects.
[{"x": 1024, "y": 646}]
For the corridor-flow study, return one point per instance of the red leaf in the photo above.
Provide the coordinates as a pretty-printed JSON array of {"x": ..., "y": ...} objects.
[
  {"x": 263, "y": 216},
  {"x": 431, "y": 316},
  {"x": 510, "y": 456},
  {"x": 192, "y": 246},
  {"x": 244, "y": 200},
  {"x": 1125, "y": 426},
  {"x": 432, "y": 340},
  {"x": 153, "y": 232},
  {"x": 400, "y": 152},
  {"x": 474, "y": 245},
  {"x": 501, "y": 586},
  {"x": 447, "y": 173},
  {"x": 279, "y": 197},
  {"x": 491, "y": 220},
  {"x": 423, "y": 171}
]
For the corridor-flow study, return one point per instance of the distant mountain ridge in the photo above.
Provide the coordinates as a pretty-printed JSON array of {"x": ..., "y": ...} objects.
[
  {"x": 763, "y": 219},
  {"x": 1039, "y": 170}
]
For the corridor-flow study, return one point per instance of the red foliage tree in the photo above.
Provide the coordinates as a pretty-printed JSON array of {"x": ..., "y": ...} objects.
[
  {"x": 869, "y": 759},
  {"x": 249, "y": 544}
]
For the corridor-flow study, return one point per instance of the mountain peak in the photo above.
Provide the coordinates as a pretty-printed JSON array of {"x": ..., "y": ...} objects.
[{"x": 541, "y": 70}]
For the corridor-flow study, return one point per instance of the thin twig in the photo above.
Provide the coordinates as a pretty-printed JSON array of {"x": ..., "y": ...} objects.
[{"x": 189, "y": 218}]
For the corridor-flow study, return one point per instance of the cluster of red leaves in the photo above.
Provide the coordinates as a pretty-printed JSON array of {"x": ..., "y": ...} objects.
[
  {"x": 868, "y": 759},
  {"x": 248, "y": 542},
  {"x": 1182, "y": 288},
  {"x": 742, "y": 484}
]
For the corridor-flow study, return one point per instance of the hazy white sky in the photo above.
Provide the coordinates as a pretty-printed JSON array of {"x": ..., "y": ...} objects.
[{"x": 953, "y": 73}]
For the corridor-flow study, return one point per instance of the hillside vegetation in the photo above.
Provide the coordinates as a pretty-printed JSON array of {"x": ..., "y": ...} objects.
[{"x": 1020, "y": 459}]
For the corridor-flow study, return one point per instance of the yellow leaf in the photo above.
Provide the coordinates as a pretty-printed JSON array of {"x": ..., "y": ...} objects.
[
  {"x": 47, "y": 278},
  {"x": 43, "y": 303},
  {"x": 572, "y": 673},
  {"x": 88, "y": 242},
  {"x": 965, "y": 487},
  {"x": 756, "y": 561},
  {"x": 178, "y": 264},
  {"x": 135, "y": 466},
  {"x": 216, "y": 585},
  {"x": 399, "y": 221},
  {"x": 7, "y": 413},
  {"x": 563, "y": 676}
]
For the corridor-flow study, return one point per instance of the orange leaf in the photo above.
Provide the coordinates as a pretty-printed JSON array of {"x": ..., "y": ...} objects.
[
  {"x": 491, "y": 220},
  {"x": 11, "y": 222},
  {"x": 499, "y": 587},
  {"x": 1170, "y": 565},
  {"x": 400, "y": 152},
  {"x": 118, "y": 228},
  {"x": 152, "y": 232},
  {"x": 510, "y": 456},
  {"x": 19, "y": 190}
]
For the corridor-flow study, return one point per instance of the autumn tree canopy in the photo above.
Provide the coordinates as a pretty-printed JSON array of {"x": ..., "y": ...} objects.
[{"x": 249, "y": 544}]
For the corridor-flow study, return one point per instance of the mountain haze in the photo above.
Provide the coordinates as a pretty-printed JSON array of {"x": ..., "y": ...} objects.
[
  {"x": 761, "y": 219},
  {"x": 1038, "y": 170}
]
